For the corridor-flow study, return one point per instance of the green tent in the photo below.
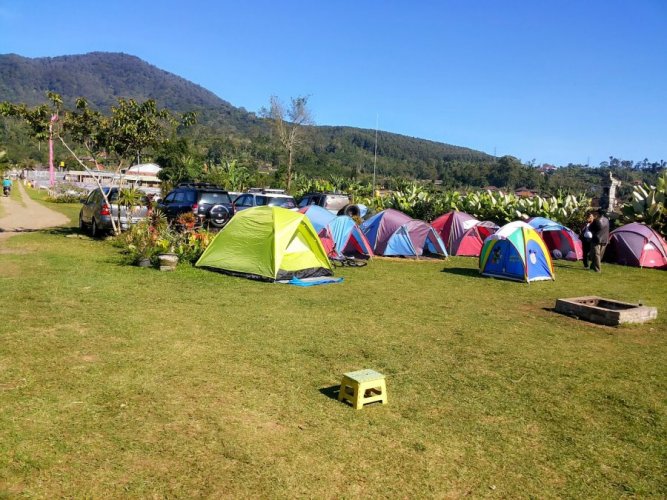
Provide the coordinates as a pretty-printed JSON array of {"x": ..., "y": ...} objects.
[{"x": 268, "y": 243}]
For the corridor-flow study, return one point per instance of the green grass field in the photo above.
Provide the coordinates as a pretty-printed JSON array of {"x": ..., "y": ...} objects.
[{"x": 119, "y": 381}]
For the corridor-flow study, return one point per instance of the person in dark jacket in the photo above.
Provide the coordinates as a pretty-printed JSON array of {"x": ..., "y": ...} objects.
[
  {"x": 586, "y": 237},
  {"x": 600, "y": 230}
]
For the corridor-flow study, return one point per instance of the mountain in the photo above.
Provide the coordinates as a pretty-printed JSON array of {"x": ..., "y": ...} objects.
[{"x": 103, "y": 77}]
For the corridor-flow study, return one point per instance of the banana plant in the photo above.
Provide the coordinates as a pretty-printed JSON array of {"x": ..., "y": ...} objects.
[{"x": 648, "y": 205}]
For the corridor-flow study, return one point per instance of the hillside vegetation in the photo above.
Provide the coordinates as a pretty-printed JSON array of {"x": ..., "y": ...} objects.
[
  {"x": 226, "y": 134},
  {"x": 104, "y": 77}
]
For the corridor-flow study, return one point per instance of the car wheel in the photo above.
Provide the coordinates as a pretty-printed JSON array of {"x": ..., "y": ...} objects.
[
  {"x": 82, "y": 225},
  {"x": 350, "y": 210},
  {"x": 94, "y": 230},
  {"x": 219, "y": 216}
]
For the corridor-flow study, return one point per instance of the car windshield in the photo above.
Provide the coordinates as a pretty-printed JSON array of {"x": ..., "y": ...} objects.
[
  {"x": 282, "y": 202},
  {"x": 215, "y": 197}
]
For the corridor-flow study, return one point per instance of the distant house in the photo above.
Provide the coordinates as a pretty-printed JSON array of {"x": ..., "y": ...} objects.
[
  {"x": 143, "y": 177},
  {"x": 144, "y": 170},
  {"x": 546, "y": 169},
  {"x": 524, "y": 192},
  {"x": 267, "y": 168}
]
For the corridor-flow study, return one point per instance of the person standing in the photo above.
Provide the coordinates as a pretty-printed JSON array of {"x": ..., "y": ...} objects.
[
  {"x": 600, "y": 230},
  {"x": 586, "y": 237}
]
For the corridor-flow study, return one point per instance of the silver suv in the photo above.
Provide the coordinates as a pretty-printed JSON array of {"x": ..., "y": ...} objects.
[
  {"x": 333, "y": 202},
  {"x": 256, "y": 198},
  {"x": 95, "y": 215}
]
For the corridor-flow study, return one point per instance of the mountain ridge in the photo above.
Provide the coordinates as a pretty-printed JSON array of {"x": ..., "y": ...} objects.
[{"x": 103, "y": 77}]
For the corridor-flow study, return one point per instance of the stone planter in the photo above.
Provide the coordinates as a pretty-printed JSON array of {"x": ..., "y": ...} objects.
[
  {"x": 168, "y": 261},
  {"x": 144, "y": 262}
]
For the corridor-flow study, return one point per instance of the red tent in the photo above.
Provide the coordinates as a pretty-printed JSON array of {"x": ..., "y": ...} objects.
[
  {"x": 462, "y": 233},
  {"x": 558, "y": 237},
  {"x": 636, "y": 245}
]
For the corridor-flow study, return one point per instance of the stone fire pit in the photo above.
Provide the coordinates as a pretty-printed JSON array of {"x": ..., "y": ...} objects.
[{"x": 605, "y": 311}]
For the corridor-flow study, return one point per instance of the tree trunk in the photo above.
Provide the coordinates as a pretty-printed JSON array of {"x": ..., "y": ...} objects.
[{"x": 289, "y": 170}]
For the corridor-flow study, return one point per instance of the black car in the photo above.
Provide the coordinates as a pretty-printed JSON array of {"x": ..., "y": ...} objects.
[{"x": 211, "y": 204}]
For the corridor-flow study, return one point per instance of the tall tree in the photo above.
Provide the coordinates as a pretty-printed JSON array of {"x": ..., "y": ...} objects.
[
  {"x": 288, "y": 124},
  {"x": 131, "y": 128}
]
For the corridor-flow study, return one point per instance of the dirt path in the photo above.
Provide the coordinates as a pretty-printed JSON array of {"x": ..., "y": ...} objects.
[{"x": 27, "y": 215}]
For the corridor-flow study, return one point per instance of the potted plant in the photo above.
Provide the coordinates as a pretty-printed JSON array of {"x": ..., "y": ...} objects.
[
  {"x": 139, "y": 243},
  {"x": 166, "y": 255},
  {"x": 146, "y": 239},
  {"x": 168, "y": 260}
]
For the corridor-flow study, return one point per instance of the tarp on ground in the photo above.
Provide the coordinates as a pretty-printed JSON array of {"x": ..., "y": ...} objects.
[
  {"x": 636, "y": 245},
  {"x": 269, "y": 243},
  {"x": 516, "y": 252}
]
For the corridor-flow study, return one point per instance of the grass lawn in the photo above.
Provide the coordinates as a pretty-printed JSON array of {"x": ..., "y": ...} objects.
[{"x": 120, "y": 381}]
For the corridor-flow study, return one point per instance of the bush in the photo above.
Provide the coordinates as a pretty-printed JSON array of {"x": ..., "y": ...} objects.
[
  {"x": 63, "y": 198},
  {"x": 66, "y": 193}
]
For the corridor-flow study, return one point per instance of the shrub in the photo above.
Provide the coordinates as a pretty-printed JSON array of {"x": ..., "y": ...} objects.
[{"x": 649, "y": 205}]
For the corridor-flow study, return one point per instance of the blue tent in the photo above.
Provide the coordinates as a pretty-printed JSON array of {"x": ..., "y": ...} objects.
[
  {"x": 558, "y": 237},
  {"x": 319, "y": 217},
  {"x": 516, "y": 252},
  {"x": 348, "y": 238},
  {"x": 393, "y": 233}
]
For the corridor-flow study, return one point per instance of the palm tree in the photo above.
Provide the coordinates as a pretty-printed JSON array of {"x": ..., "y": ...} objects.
[{"x": 128, "y": 198}]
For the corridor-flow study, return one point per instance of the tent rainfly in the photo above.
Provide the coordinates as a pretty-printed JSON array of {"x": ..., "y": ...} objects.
[
  {"x": 267, "y": 243},
  {"x": 516, "y": 252}
]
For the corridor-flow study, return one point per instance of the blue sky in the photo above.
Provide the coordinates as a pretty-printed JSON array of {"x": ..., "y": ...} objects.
[{"x": 557, "y": 82}]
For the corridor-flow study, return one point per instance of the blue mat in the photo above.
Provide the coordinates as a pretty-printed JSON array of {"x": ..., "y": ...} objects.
[{"x": 310, "y": 281}]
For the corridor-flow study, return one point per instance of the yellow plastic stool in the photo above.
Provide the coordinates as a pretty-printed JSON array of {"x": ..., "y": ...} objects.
[{"x": 363, "y": 387}]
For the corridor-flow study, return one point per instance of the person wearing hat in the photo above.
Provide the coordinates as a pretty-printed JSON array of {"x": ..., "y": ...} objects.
[{"x": 600, "y": 231}]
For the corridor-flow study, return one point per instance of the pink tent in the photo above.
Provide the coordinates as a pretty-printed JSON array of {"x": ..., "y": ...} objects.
[
  {"x": 636, "y": 245},
  {"x": 463, "y": 234}
]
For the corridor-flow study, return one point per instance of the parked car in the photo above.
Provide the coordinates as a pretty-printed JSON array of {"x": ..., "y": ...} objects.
[
  {"x": 266, "y": 197},
  {"x": 336, "y": 203},
  {"x": 211, "y": 204},
  {"x": 95, "y": 215}
]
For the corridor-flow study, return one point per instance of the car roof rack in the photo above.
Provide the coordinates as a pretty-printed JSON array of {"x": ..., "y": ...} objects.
[
  {"x": 314, "y": 193},
  {"x": 200, "y": 185},
  {"x": 266, "y": 191}
]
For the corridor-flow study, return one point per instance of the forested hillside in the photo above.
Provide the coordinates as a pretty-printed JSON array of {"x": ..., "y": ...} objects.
[
  {"x": 224, "y": 133},
  {"x": 100, "y": 78},
  {"x": 104, "y": 77}
]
